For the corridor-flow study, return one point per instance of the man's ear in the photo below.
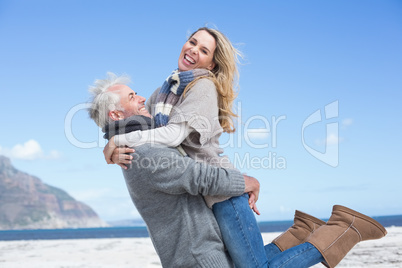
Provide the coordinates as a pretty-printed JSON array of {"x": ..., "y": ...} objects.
[{"x": 115, "y": 115}]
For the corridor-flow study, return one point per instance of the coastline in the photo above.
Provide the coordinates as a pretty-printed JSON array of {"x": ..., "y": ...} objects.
[{"x": 139, "y": 252}]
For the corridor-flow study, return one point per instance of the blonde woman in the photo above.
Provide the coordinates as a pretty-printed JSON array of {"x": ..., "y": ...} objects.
[{"x": 191, "y": 110}]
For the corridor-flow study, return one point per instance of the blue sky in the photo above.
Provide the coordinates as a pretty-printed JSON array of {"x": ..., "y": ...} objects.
[{"x": 340, "y": 60}]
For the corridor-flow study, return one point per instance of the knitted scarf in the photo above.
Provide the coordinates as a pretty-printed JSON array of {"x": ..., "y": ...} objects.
[
  {"x": 132, "y": 123},
  {"x": 171, "y": 90}
]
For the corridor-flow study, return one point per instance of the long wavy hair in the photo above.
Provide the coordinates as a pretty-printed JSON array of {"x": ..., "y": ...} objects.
[{"x": 225, "y": 76}]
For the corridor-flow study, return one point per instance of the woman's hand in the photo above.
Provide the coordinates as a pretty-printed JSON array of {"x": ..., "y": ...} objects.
[
  {"x": 253, "y": 190},
  {"x": 252, "y": 202}
]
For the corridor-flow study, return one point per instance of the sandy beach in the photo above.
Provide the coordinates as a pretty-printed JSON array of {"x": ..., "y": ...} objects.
[{"x": 139, "y": 252}]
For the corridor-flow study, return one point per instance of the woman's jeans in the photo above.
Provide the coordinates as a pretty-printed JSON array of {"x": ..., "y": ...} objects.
[{"x": 242, "y": 238}]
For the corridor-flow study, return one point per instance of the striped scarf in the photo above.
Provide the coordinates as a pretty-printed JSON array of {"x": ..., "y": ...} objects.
[{"x": 171, "y": 90}]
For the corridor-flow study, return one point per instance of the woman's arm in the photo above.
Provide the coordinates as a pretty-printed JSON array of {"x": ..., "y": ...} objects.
[
  {"x": 171, "y": 135},
  {"x": 198, "y": 111}
]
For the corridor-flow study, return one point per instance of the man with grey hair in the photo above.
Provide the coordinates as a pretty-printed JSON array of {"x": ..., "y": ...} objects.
[
  {"x": 167, "y": 188},
  {"x": 108, "y": 106}
]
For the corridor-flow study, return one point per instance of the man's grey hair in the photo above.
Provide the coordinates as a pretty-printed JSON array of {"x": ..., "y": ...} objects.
[{"x": 104, "y": 101}]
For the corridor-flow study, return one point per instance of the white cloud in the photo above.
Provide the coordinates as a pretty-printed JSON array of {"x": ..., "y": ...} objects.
[
  {"x": 284, "y": 209},
  {"x": 30, "y": 150},
  {"x": 347, "y": 122},
  {"x": 54, "y": 155},
  {"x": 91, "y": 194},
  {"x": 332, "y": 139},
  {"x": 258, "y": 133}
]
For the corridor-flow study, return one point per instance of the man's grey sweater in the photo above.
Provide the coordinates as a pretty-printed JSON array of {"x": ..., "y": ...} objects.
[{"x": 166, "y": 189}]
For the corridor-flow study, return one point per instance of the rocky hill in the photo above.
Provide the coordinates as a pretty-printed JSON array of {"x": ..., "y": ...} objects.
[{"x": 27, "y": 203}]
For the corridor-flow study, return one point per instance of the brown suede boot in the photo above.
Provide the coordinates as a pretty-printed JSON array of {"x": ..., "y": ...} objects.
[
  {"x": 342, "y": 232},
  {"x": 304, "y": 225}
]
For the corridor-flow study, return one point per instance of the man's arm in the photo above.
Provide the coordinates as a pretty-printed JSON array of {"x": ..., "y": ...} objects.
[{"x": 171, "y": 173}]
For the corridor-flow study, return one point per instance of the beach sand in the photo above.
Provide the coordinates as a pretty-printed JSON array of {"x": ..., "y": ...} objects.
[{"x": 139, "y": 252}]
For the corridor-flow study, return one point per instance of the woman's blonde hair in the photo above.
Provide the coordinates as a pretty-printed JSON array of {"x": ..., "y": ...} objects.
[{"x": 225, "y": 77}]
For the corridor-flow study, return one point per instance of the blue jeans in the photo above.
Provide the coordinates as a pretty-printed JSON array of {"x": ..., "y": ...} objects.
[{"x": 242, "y": 238}]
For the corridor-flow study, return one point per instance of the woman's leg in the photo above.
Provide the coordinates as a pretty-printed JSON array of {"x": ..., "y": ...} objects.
[
  {"x": 303, "y": 227},
  {"x": 344, "y": 229},
  {"x": 271, "y": 250},
  {"x": 301, "y": 256},
  {"x": 240, "y": 232}
]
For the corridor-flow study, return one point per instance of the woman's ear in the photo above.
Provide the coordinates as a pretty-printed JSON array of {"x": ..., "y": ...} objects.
[{"x": 211, "y": 66}]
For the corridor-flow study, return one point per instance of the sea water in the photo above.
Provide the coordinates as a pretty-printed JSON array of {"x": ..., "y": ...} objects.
[{"x": 123, "y": 232}]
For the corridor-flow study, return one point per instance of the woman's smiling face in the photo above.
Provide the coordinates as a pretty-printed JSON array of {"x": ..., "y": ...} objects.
[{"x": 198, "y": 52}]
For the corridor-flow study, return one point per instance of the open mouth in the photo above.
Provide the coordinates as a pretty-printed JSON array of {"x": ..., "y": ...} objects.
[{"x": 189, "y": 59}]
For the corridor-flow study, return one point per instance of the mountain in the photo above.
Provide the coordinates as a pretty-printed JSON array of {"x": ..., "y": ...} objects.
[{"x": 27, "y": 203}]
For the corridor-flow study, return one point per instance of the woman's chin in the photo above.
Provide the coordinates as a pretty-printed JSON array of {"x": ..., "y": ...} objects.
[{"x": 185, "y": 67}]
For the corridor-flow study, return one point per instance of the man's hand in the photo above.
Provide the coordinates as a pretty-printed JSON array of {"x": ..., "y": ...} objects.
[
  {"x": 121, "y": 156},
  {"x": 108, "y": 150},
  {"x": 116, "y": 155},
  {"x": 253, "y": 189}
]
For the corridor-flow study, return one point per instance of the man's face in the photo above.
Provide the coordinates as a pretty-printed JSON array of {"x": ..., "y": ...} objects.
[{"x": 130, "y": 101}]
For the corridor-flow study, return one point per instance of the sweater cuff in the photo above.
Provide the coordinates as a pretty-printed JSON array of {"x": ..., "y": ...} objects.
[
  {"x": 215, "y": 259},
  {"x": 127, "y": 139},
  {"x": 237, "y": 183}
]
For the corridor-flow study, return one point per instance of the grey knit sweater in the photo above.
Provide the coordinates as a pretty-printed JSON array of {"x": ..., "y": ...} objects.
[
  {"x": 165, "y": 187},
  {"x": 199, "y": 109}
]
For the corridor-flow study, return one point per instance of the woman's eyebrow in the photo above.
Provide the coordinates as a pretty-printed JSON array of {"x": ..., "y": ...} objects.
[
  {"x": 194, "y": 39},
  {"x": 206, "y": 48}
]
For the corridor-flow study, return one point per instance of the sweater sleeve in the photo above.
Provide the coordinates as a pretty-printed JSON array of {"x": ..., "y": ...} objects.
[
  {"x": 171, "y": 135},
  {"x": 173, "y": 174},
  {"x": 199, "y": 108}
]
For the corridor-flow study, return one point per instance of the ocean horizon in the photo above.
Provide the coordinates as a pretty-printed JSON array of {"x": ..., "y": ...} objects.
[{"x": 141, "y": 231}]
